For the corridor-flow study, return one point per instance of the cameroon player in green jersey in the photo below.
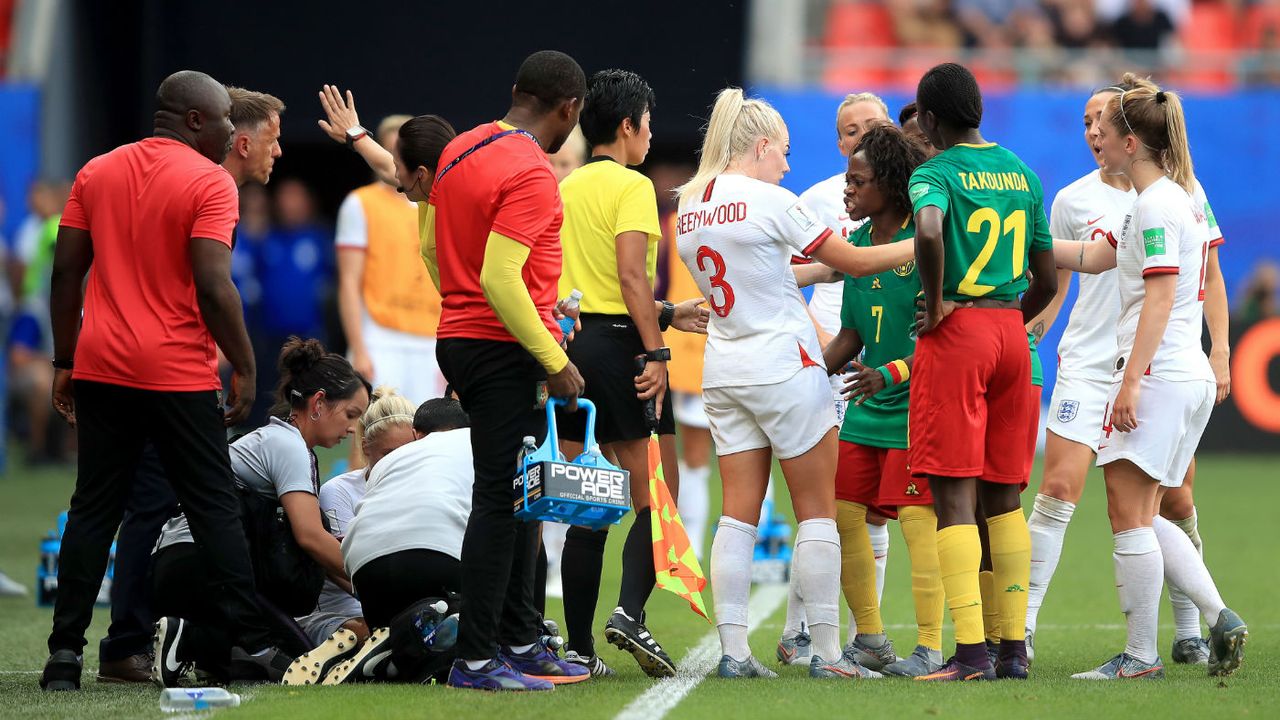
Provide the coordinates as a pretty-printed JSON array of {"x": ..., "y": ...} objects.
[
  {"x": 980, "y": 226},
  {"x": 877, "y": 317}
]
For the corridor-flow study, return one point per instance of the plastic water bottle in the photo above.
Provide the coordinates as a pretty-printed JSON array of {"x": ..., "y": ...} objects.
[
  {"x": 528, "y": 446},
  {"x": 175, "y": 700},
  {"x": 47, "y": 572},
  {"x": 573, "y": 302}
]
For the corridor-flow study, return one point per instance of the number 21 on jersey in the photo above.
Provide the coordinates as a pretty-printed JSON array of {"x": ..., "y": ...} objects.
[
  {"x": 724, "y": 303},
  {"x": 1014, "y": 223}
]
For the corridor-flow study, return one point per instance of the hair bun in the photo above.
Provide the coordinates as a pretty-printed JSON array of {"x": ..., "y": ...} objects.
[{"x": 298, "y": 355}]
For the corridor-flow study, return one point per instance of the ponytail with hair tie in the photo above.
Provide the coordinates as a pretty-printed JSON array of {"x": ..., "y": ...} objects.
[{"x": 1160, "y": 96}]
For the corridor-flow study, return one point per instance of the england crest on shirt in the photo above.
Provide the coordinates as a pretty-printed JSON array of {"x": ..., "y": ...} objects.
[{"x": 1067, "y": 410}]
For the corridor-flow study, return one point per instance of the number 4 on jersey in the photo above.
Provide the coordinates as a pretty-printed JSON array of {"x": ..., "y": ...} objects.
[{"x": 722, "y": 305}]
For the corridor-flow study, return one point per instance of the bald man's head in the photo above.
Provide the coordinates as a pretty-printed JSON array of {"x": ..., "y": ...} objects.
[{"x": 196, "y": 109}]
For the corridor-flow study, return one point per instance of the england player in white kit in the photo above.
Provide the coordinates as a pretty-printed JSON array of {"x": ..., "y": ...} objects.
[
  {"x": 764, "y": 387},
  {"x": 1092, "y": 209},
  {"x": 1163, "y": 388}
]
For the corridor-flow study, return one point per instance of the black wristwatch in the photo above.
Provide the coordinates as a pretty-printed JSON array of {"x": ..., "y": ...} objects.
[
  {"x": 662, "y": 354},
  {"x": 666, "y": 316},
  {"x": 64, "y": 364}
]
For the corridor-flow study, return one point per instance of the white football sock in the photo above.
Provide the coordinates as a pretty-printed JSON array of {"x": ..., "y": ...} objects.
[
  {"x": 1139, "y": 580},
  {"x": 795, "y": 621},
  {"x": 553, "y": 535},
  {"x": 880, "y": 547},
  {"x": 817, "y": 565},
  {"x": 1185, "y": 569},
  {"x": 731, "y": 555},
  {"x": 695, "y": 504},
  {"x": 853, "y": 628},
  {"x": 1048, "y": 525},
  {"x": 1186, "y": 616}
]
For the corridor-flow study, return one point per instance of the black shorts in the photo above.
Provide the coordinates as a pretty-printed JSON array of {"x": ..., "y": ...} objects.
[{"x": 604, "y": 352}]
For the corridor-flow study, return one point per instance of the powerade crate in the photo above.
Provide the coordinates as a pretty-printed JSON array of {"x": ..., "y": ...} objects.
[{"x": 588, "y": 491}]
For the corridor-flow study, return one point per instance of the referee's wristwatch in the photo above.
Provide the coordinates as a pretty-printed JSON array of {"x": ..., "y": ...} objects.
[
  {"x": 354, "y": 134},
  {"x": 662, "y": 354}
]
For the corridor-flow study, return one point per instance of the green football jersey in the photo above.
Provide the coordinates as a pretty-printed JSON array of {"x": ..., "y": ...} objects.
[
  {"x": 1037, "y": 370},
  {"x": 882, "y": 308},
  {"x": 994, "y": 217}
]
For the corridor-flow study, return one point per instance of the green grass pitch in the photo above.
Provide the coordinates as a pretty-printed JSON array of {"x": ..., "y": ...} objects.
[{"x": 1080, "y": 626}]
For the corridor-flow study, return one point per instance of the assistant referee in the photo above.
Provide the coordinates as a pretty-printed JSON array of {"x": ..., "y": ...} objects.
[{"x": 491, "y": 242}]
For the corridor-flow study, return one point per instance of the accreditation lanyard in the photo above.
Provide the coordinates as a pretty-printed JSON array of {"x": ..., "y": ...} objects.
[{"x": 482, "y": 143}]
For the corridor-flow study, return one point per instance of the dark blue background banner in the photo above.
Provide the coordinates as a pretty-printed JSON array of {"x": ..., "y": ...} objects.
[
  {"x": 1237, "y": 159},
  {"x": 19, "y": 156}
]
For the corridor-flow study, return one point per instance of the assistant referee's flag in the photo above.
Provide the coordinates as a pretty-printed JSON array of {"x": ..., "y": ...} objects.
[{"x": 673, "y": 559}]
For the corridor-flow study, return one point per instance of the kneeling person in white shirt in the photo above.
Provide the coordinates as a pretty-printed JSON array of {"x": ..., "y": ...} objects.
[{"x": 405, "y": 542}]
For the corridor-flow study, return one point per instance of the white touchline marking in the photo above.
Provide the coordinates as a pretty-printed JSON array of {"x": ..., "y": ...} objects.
[{"x": 664, "y": 695}]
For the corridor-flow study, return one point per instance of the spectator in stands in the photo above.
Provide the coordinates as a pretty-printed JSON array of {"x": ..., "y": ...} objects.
[
  {"x": 1258, "y": 297},
  {"x": 1000, "y": 23},
  {"x": 925, "y": 24},
  {"x": 251, "y": 234},
  {"x": 318, "y": 401},
  {"x": 1074, "y": 24},
  {"x": 1108, "y": 11},
  {"x": 1144, "y": 26}
]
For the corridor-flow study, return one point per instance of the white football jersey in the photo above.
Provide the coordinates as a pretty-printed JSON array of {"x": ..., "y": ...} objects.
[
  {"x": 1167, "y": 232},
  {"x": 737, "y": 240},
  {"x": 826, "y": 200},
  {"x": 1091, "y": 210}
]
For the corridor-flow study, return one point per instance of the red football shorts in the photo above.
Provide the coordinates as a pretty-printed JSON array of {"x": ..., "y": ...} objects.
[
  {"x": 1033, "y": 432},
  {"x": 969, "y": 409},
  {"x": 878, "y": 478}
]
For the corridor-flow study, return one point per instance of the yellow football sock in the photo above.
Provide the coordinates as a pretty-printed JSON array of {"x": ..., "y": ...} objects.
[
  {"x": 990, "y": 609},
  {"x": 1011, "y": 566},
  {"x": 959, "y": 555},
  {"x": 858, "y": 567},
  {"x": 920, "y": 529}
]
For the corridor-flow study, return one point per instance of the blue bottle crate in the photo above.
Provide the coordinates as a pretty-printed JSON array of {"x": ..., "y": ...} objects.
[{"x": 588, "y": 491}]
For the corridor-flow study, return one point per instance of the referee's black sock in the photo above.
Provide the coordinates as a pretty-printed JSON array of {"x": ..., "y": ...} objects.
[
  {"x": 638, "y": 574},
  {"x": 580, "y": 566}
]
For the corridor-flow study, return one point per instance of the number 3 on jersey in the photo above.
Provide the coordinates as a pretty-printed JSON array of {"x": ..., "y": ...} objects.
[
  {"x": 722, "y": 305},
  {"x": 1015, "y": 223}
]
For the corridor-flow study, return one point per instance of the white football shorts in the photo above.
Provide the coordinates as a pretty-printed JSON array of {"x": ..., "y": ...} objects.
[
  {"x": 1076, "y": 410},
  {"x": 1171, "y": 418},
  {"x": 790, "y": 417}
]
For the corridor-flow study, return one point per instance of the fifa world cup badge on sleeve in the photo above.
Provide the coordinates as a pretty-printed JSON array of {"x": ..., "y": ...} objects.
[
  {"x": 1153, "y": 241},
  {"x": 803, "y": 217}
]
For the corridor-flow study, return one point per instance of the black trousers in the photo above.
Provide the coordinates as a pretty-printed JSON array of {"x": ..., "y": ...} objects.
[
  {"x": 497, "y": 384},
  {"x": 182, "y": 590},
  {"x": 113, "y": 425},
  {"x": 151, "y": 503},
  {"x": 390, "y": 584}
]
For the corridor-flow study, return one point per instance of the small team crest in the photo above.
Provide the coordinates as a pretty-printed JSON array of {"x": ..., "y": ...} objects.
[
  {"x": 1067, "y": 410},
  {"x": 912, "y": 489},
  {"x": 905, "y": 269},
  {"x": 875, "y": 283}
]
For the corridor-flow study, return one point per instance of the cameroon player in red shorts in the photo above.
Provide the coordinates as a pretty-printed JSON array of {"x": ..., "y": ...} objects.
[{"x": 979, "y": 214}]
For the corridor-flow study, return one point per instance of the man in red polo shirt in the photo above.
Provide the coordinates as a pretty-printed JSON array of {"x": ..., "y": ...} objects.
[
  {"x": 153, "y": 219},
  {"x": 491, "y": 241}
]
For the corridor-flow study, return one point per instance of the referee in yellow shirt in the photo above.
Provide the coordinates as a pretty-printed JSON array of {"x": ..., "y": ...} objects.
[{"x": 610, "y": 240}]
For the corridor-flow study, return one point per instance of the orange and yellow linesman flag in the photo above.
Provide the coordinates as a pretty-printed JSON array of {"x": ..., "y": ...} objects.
[{"x": 673, "y": 559}]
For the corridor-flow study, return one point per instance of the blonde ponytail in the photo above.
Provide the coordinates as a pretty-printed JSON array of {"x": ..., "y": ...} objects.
[
  {"x": 1177, "y": 156},
  {"x": 736, "y": 124}
]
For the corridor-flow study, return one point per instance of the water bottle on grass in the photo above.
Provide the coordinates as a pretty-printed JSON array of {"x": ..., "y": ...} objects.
[{"x": 175, "y": 700}]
